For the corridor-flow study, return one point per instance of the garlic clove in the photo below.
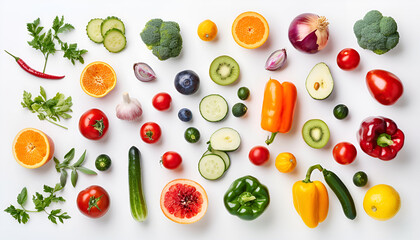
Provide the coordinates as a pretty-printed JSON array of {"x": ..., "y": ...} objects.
[
  {"x": 130, "y": 109},
  {"x": 276, "y": 60},
  {"x": 144, "y": 72}
]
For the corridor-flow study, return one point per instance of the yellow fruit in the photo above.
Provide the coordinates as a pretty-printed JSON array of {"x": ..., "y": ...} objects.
[
  {"x": 285, "y": 162},
  {"x": 382, "y": 202},
  {"x": 207, "y": 30}
]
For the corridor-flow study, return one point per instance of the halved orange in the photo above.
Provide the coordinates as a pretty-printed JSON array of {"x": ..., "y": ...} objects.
[
  {"x": 32, "y": 148},
  {"x": 250, "y": 30},
  {"x": 183, "y": 201},
  {"x": 98, "y": 79}
]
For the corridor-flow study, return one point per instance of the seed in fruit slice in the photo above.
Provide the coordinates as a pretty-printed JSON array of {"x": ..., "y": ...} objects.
[
  {"x": 319, "y": 82},
  {"x": 32, "y": 148},
  {"x": 316, "y": 133},
  {"x": 250, "y": 30},
  {"x": 183, "y": 201},
  {"x": 224, "y": 70},
  {"x": 98, "y": 79}
]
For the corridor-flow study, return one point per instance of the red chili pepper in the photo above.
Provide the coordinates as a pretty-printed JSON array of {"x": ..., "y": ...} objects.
[
  {"x": 380, "y": 137},
  {"x": 32, "y": 71}
]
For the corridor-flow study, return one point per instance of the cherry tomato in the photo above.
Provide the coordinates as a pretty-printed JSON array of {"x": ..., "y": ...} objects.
[
  {"x": 93, "y": 201},
  {"x": 93, "y": 124},
  {"x": 259, "y": 155},
  {"x": 384, "y": 86},
  {"x": 348, "y": 59},
  {"x": 344, "y": 153},
  {"x": 150, "y": 132},
  {"x": 162, "y": 101},
  {"x": 171, "y": 160}
]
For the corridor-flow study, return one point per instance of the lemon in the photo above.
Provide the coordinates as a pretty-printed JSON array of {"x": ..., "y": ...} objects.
[
  {"x": 382, "y": 202},
  {"x": 207, "y": 30}
]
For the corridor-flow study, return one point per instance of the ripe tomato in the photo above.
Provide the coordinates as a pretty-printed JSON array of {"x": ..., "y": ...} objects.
[
  {"x": 171, "y": 160},
  {"x": 259, "y": 155},
  {"x": 93, "y": 124},
  {"x": 150, "y": 132},
  {"x": 93, "y": 201},
  {"x": 348, "y": 59},
  {"x": 384, "y": 86},
  {"x": 344, "y": 153},
  {"x": 162, "y": 101}
]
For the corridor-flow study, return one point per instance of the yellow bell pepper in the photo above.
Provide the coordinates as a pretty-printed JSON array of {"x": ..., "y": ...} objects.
[{"x": 310, "y": 200}]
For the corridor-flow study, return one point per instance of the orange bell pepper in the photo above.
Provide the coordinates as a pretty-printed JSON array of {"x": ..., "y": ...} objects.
[{"x": 278, "y": 107}]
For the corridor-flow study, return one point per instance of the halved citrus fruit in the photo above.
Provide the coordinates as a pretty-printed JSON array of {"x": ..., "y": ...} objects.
[
  {"x": 250, "y": 30},
  {"x": 98, "y": 79},
  {"x": 32, "y": 148},
  {"x": 183, "y": 201}
]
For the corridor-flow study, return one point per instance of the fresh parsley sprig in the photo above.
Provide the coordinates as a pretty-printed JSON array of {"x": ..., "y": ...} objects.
[
  {"x": 52, "y": 109},
  {"x": 44, "y": 41},
  {"x": 41, "y": 203},
  {"x": 62, "y": 167}
]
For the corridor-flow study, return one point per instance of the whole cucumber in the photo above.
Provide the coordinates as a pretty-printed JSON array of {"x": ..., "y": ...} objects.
[
  {"x": 341, "y": 192},
  {"x": 137, "y": 202}
]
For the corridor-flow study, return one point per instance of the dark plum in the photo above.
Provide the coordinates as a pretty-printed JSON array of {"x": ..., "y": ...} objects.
[
  {"x": 187, "y": 82},
  {"x": 185, "y": 115}
]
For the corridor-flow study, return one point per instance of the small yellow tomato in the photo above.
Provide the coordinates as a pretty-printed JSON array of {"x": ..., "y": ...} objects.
[
  {"x": 285, "y": 162},
  {"x": 207, "y": 30},
  {"x": 381, "y": 202}
]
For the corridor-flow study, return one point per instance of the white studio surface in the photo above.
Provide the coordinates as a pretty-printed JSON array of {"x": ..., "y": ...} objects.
[{"x": 280, "y": 221}]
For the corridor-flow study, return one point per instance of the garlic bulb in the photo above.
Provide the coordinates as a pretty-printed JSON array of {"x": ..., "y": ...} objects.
[{"x": 130, "y": 109}]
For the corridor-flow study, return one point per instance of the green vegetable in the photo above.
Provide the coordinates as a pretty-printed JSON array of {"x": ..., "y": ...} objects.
[
  {"x": 243, "y": 93},
  {"x": 340, "y": 111},
  {"x": 48, "y": 109},
  {"x": 114, "y": 40},
  {"x": 163, "y": 38},
  {"x": 103, "y": 162},
  {"x": 93, "y": 30},
  {"x": 246, "y": 198},
  {"x": 376, "y": 32},
  {"x": 41, "y": 204},
  {"x": 239, "y": 109},
  {"x": 211, "y": 166},
  {"x": 137, "y": 201},
  {"x": 44, "y": 41},
  {"x": 192, "y": 135},
  {"x": 360, "y": 179},
  {"x": 77, "y": 166}
]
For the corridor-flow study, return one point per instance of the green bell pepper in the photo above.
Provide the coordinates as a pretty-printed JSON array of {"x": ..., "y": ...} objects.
[{"x": 246, "y": 198}]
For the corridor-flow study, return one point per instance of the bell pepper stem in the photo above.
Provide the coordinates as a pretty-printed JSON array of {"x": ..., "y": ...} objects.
[
  {"x": 246, "y": 197},
  {"x": 384, "y": 140},
  {"x": 310, "y": 170},
  {"x": 271, "y": 138}
]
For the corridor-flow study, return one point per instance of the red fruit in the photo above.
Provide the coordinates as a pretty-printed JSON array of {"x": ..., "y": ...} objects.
[
  {"x": 259, "y": 155},
  {"x": 344, "y": 153},
  {"x": 384, "y": 86}
]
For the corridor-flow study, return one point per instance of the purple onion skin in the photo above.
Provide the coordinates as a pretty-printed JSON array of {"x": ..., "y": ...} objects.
[
  {"x": 308, "y": 44},
  {"x": 143, "y": 72}
]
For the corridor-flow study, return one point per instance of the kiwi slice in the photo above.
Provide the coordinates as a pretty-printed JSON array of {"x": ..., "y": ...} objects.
[
  {"x": 316, "y": 133},
  {"x": 224, "y": 70}
]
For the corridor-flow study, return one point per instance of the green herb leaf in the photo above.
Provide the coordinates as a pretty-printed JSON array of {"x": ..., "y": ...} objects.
[
  {"x": 86, "y": 171},
  {"x": 48, "y": 189},
  {"x": 63, "y": 177},
  {"x": 69, "y": 156},
  {"x": 81, "y": 160},
  {"x": 23, "y": 195},
  {"x": 19, "y": 214},
  {"x": 74, "y": 177}
]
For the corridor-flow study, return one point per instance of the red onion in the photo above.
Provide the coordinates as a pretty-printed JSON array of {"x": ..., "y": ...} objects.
[
  {"x": 144, "y": 72},
  {"x": 308, "y": 32}
]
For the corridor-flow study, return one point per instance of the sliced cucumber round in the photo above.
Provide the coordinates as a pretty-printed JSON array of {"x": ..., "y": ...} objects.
[
  {"x": 110, "y": 23},
  {"x": 93, "y": 30},
  {"x": 211, "y": 166},
  {"x": 225, "y": 139},
  {"x": 213, "y": 108},
  {"x": 221, "y": 154},
  {"x": 114, "y": 40}
]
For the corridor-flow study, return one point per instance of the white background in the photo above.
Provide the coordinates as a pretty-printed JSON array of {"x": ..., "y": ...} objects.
[{"x": 280, "y": 220}]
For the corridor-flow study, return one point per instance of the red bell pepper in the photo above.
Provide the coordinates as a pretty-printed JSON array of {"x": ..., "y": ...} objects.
[{"x": 380, "y": 137}]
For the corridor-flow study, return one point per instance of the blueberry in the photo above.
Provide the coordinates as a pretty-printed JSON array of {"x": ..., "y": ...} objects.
[
  {"x": 187, "y": 82},
  {"x": 185, "y": 115}
]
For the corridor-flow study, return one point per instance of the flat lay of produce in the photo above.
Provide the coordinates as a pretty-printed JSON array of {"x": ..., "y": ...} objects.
[{"x": 167, "y": 124}]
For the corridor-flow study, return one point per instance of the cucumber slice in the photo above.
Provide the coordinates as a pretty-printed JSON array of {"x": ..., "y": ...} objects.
[
  {"x": 211, "y": 166},
  {"x": 213, "y": 108},
  {"x": 93, "y": 30},
  {"x": 110, "y": 23},
  {"x": 225, "y": 139},
  {"x": 114, "y": 40},
  {"x": 221, "y": 154}
]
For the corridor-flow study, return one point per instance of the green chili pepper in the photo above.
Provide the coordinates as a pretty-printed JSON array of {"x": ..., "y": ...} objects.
[{"x": 246, "y": 198}]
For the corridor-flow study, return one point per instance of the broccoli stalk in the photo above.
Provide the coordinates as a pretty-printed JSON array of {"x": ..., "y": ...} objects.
[
  {"x": 376, "y": 32},
  {"x": 163, "y": 38}
]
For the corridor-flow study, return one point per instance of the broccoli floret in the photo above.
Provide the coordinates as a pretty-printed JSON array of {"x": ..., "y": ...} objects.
[
  {"x": 163, "y": 38},
  {"x": 376, "y": 32}
]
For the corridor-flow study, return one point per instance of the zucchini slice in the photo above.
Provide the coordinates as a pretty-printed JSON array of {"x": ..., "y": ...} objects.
[
  {"x": 221, "y": 154},
  {"x": 213, "y": 108},
  {"x": 93, "y": 30},
  {"x": 211, "y": 166},
  {"x": 225, "y": 139},
  {"x": 110, "y": 23},
  {"x": 114, "y": 40}
]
